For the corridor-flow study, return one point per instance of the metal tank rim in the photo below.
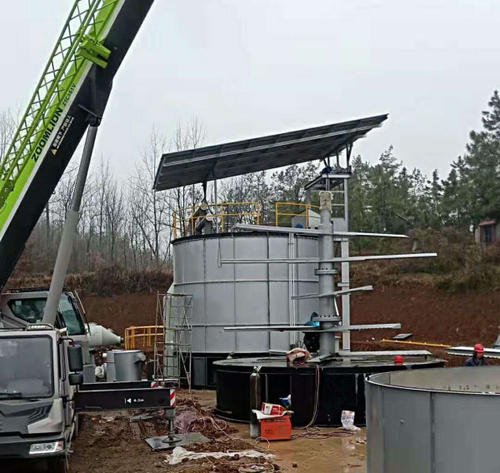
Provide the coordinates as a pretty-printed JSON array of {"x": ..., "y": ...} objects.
[
  {"x": 385, "y": 380},
  {"x": 340, "y": 363},
  {"x": 209, "y": 236}
]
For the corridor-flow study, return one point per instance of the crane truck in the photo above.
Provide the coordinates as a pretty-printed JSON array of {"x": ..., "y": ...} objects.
[{"x": 43, "y": 341}]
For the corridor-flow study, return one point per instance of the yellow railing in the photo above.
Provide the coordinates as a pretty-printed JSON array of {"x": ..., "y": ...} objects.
[
  {"x": 221, "y": 212},
  {"x": 143, "y": 337},
  {"x": 282, "y": 209}
]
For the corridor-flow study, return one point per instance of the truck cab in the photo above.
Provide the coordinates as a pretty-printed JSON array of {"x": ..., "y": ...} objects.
[
  {"x": 36, "y": 393},
  {"x": 21, "y": 308}
]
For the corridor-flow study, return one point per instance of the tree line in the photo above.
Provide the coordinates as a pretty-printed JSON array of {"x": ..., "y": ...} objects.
[
  {"x": 127, "y": 224},
  {"x": 387, "y": 196}
]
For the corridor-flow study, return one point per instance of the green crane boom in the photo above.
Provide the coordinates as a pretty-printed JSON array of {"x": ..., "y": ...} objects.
[
  {"x": 87, "y": 20},
  {"x": 71, "y": 93}
]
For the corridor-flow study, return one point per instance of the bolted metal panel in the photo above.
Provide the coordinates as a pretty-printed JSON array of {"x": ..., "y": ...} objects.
[
  {"x": 246, "y": 294},
  {"x": 399, "y": 423},
  {"x": 467, "y": 437},
  {"x": 433, "y": 421}
]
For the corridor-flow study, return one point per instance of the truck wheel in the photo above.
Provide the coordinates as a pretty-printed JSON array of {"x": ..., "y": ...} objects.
[{"x": 57, "y": 465}]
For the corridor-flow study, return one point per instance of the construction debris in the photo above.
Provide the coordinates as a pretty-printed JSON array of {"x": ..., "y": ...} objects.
[{"x": 180, "y": 454}]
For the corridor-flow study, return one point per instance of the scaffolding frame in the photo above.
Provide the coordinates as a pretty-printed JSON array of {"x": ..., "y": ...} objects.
[{"x": 173, "y": 352}]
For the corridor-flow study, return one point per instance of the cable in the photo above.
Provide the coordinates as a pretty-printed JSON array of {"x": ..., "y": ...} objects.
[{"x": 316, "y": 399}]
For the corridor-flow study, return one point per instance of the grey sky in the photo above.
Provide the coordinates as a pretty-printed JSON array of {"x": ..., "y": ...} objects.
[{"x": 252, "y": 67}]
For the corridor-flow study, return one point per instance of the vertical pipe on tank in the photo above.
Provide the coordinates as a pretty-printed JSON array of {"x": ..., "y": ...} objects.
[
  {"x": 346, "y": 299},
  {"x": 326, "y": 279},
  {"x": 216, "y": 207},
  {"x": 291, "y": 293},
  {"x": 255, "y": 402},
  {"x": 268, "y": 276}
]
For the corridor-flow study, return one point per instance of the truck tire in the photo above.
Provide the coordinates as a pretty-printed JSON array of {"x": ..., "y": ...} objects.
[{"x": 57, "y": 465}]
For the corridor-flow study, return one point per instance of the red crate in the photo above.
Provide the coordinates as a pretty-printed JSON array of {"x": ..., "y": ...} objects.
[{"x": 279, "y": 428}]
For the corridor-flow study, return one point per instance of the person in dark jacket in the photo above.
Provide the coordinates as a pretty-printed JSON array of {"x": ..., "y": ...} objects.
[{"x": 477, "y": 358}]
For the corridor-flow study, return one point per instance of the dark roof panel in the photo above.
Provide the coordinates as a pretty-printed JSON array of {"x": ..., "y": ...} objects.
[{"x": 257, "y": 154}]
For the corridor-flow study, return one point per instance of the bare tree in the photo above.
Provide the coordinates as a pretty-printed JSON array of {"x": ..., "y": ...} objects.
[
  {"x": 130, "y": 227},
  {"x": 8, "y": 124},
  {"x": 149, "y": 209},
  {"x": 187, "y": 136},
  {"x": 114, "y": 217}
]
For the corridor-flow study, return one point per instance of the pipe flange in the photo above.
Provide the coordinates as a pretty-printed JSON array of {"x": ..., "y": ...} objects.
[
  {"x": 320, "y": 272},
  {"x": 326, "y": 318}
]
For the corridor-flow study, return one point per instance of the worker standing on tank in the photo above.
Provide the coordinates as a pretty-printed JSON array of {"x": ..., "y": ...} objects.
[{"x": 477, "y": 358}]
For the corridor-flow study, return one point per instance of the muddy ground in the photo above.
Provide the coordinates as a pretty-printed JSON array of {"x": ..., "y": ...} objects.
[{"x": 110, "y": 443}]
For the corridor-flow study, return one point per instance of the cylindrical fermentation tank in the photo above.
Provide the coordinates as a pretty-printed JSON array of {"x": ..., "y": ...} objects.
[
  {"x": 433, "y": 421},
  {"x": 242, "y": 294}
]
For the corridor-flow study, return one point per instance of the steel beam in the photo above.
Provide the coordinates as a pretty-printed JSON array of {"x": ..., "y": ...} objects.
[
  {"x": 350, "y": 259},
  {"x": 310, "y": 328},
  {"x": 334, "y": 293},
  {"x": 312, "y": 231}
]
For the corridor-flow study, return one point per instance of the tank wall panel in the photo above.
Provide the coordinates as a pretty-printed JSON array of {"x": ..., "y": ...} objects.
[
  {"x": 374, "y": 428},
  {"x": 280, "y": 341},
  {"x": 466, "y": 436},
  {"x": 252, "y": 305},
  {"x": 219, "y": 341},
  {"x": 243, "y": 294},
  {"x": 214, "y": 271},
  {"x": 250, "y": 247},
  {"x": 278, "y": 248},
  {"x": 249, "y": 342},
  {"x": 199, "y": 339},
  {"x": 279, "y": 309},
  {"x": 406, "y": 417},
  {"x": 190, "y": 269},
  {"x": 219, "y": 298},
  {"x": 443, "y": 422}
]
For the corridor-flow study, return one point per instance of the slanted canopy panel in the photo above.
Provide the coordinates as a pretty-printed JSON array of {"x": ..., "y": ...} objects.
[{"x": 257, "y": 154}]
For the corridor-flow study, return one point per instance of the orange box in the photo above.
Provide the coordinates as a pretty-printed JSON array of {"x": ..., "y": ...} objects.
[{"x": 279, "y": 428}]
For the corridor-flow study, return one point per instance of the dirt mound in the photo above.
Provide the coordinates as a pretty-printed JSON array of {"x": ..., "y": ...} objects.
[
  {"x": 120, "y": 312},
  {"x": 431, "y": 315},
  {"x": 106, "y": 281}
]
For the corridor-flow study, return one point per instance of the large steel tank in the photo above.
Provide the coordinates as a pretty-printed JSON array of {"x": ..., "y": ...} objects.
[
  {"x": 433, "y": 421},
  {"x": 319, "y": 391},
  {"x": 242, "y": 294}
]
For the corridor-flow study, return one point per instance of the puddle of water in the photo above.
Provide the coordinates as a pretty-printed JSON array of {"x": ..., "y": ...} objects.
[{"x": 326, "y": 455}]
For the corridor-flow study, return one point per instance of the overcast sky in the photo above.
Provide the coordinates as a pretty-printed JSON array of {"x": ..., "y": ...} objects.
[{"x": 246, "y": 68}]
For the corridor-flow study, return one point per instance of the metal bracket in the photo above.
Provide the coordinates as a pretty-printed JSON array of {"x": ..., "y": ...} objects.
[{"x": 95, "y": 52}]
